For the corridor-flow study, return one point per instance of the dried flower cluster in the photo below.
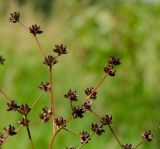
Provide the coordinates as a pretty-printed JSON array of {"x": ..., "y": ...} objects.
[{"x": 78, "y": 111}]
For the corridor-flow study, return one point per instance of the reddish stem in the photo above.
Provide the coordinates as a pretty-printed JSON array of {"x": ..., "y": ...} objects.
[
  {"x": 4, "y": 94},
  {"x": 139, "y": 144},
  {"x": 53, "y": 138},
  {"x": 51, "y": 94}
]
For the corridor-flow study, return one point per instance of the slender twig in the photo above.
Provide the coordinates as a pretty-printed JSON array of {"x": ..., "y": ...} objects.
[
  {"x": 71, "y": 132},
  {"x": 114, "y": 134},
  {"x": 53, "y": 138},
  {"x": 40, "y": 47},
  {"x": 80, "y": 146},
  {"x": 86, "y": 99},
  {"x": 139, "y": 144},
  {"x": 95, "y": 88},
  {"x": 29, "y": 135},
  {"x": 24, "y": 26},
  {"x": 4, "y": 94},
  {"x": 52, "y": 98},
  {"x": 95, "y": 114},
  {"x": 37, "y": 99}
]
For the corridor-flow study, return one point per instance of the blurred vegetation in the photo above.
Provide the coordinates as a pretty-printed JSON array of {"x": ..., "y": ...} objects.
[{"x": 92, "y": 30}]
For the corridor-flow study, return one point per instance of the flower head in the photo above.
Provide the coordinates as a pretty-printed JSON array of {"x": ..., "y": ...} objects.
[
  {"x": 10, "y": 130},
  {"x": 45, "y": 86},
  {"x": 60, "y": 49},
  {"x": 35, "y": 29},
  {"x": 97, "y": 129},
  {"x": 85, "y": 137},
  {"x": 2, "y": 138},
  {"x": 90, "y": 92},
  {"x": 147, "y": 135},
  {"x": 77, "y": 112},
  {"x": 23, "y": 121},
  {"x": 59, "y": 121},
  {"x": 71, "y": 95},
  {"x": 127, "y": 146},
  {"x": 72, "y": 147},
  {"x": 14, "y": 17},
  {"x": 12, "y": 105},
  {"x": 2, "y": 60},
  {"x": 114, "y": 60},
  {"x": 46, "y": 114},
  {"x": 50, "y": 60},
  {"x": 106, "y": 120},
  {"x": 110, "y": 70},
  {"x": 86, "y": 106},
  {"x": 24, "y": 109}
]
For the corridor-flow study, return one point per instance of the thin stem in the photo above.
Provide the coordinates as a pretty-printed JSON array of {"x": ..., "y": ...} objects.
[
  {"x": 53, "y": 138},
  {"x": 24, "y": 26},
  {"x": 139, "y": 144},
  {"x": 29, "y": 135},
  {"x": 71, "y": 132},
  {"x": 95, "y": 88},
  {"x": 52, "y": 98},
  {"x": 95, "y": 114},
  {"x": 37, "y": 99},
  {"x": 40, "y": 47},
  {"x": 85, "y": 141},
  {"x": 4, "y": 94},
  {"x": 114, "y": 134}
]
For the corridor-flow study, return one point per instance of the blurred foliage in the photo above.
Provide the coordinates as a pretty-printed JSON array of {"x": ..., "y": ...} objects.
[{"x": 92, "y": 30}]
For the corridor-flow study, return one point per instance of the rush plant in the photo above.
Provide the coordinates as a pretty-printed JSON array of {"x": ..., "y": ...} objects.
[{"x": 49, "y": 114}]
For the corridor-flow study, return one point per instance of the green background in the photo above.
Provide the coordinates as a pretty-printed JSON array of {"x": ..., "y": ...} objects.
[{"x": 92, "y": 30}]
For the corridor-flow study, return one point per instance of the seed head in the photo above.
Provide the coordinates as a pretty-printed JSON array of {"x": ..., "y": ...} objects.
[
  {"x": 147, "y": 135},
  {"x": 106, "y": 120},
  {"x": 85, "y": 137},
  {"x": 45, "y": 86},
  {"x": 50, "y": 60},
  {"x": 2, "y": 138},
  {"x": 60, "y": 121},
  {"x": 12, "y": 106},
  {"x": 110, "y": 70},
  {"x": 24, "y": 109},
  {"x": 46, "y": 114},
  {"x": 14, "y": 17},
  {"x": 97, "y": 129},
  {"x": 2, "y": 60},
  {"x": 114, "y": 60},
  {"x": 127, "y": 146},
  {"x": 90, "y": 91},
  {"x": 35, "y": 29},
  {"x": 60, "y": 49},
  {"x": 24, "y": 121},
  {"x": 72, "y": 147},
  {"x": 77, "y": 112},
  {"x": 86, "y": 106},
  {"x": 10, "y": 130},
  {"x": 71, "y": 95}
]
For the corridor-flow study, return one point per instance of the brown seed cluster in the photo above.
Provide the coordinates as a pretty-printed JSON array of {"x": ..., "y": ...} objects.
[
  {"x": 46, "y": 114},
  {"x": 60, "y": 49},
  {"x": 35, "y": 29},
  {"x": 2, "y": 60},
  {"x": 98, "y": 129},
  {"x": 10, "y": 130},
  {"x": 85, "y": 137},
  {"x": 106, "y": 120},
  {"x": 147, "y": 135},
  {"x": 71, "y": 95},
  {"x": 90, "y": 92},
  {"x": 127, "y": 146},
  {"x": 60, "y": 121},
  {"x": 45, "y": 86},
  {"x": 14, "y": 17},
  {"x": 50, "y": 61}
]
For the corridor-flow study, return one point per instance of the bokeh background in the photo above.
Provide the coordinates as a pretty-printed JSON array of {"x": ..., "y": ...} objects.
[{"x": 92, "y": 30}]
